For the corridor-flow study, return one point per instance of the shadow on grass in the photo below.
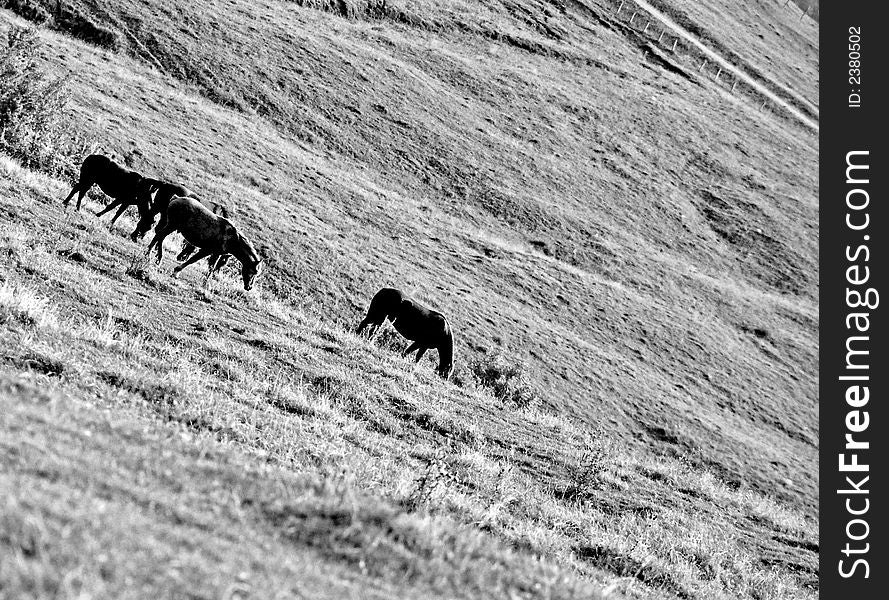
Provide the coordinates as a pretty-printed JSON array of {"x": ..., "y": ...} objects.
[
  {"x": 615, "y": 561},
  {"x": 38, "y": 363},
  {"x": 165, "y": 399}
]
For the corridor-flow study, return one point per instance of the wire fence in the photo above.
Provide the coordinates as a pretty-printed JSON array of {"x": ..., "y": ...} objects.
[{"x": 660, "y": 37}]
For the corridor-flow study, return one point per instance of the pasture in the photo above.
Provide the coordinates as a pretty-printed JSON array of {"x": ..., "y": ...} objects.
[{"x": 641, "y": 241}]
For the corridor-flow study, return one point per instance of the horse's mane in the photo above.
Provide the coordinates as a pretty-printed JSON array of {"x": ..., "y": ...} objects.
[{"x": 252, "y": 254}]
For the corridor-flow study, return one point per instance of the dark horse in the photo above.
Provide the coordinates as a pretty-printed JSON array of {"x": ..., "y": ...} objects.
[
  {"x": 116, "y": 181},
  {"x": 212, "y": 234},
  {"x": 426, "y": 328}
]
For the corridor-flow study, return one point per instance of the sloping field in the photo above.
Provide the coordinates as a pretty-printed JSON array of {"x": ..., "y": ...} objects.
[{"x": 559, "y": 185}]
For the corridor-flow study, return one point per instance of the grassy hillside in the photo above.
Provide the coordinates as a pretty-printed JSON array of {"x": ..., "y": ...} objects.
[{"x": 643, "y": 240}]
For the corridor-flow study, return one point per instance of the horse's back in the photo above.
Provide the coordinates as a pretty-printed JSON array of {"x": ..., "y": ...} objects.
[
  {"x": 96, "y": 163},
  {"x": 114, "y": 179},
  {"x": 197, "y": 223},
  {"x": 181, "y": 207},
  {"x": 417, "y": 322},
  {"x": 100, "y": 164},
  {"x": 167, "y": 191}
]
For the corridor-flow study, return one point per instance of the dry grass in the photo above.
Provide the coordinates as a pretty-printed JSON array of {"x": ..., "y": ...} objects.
[
  {"x": 519, "y": 169},
  {"x": 378, "y": 469},
  {"x": 24, "y": 306}
]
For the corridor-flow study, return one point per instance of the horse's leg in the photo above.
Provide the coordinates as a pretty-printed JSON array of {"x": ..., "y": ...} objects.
[
  {"x": 215, "y": 263},
  {"x": 202, "y": 253},
  {"x": 159, "y": 241},
  {"x": 159, "y": 235},
  {"x": 186, "y": 251},
  {"x": 120, "y": 211},
  {"x": 84, "y": 188},
  {"x": 162, "y": 230},
  {"x": 420, "y": 354},
  {"x": 146, "y": 220},
  {"x": 114, "y": 204},
  {"x": 74, "y": 190},
  {"x": 144, "y": 213},
  {"x": 209, "y": 272},
  {"x": 410, "y": 349}
]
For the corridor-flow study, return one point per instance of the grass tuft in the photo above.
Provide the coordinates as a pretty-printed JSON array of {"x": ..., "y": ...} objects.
[
  {"x": 506, "y": 379},
  {"x": 23, "y": 305},
  {"x": 587, "y": 474}
]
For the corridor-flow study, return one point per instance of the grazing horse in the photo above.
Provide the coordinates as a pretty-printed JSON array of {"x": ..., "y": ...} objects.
[
  {"x": 214, "y": 235},
  {"x": 424, "y": 327},
  {"x": 163, "y": 192},
  {"x": 116, "y": 181}
]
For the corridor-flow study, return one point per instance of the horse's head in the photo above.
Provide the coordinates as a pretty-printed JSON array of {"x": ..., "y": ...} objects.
[
  {"x": 145, "y": 191},
  {"x": 236, "y": 244},
  {"x": 249, "y": 272}
]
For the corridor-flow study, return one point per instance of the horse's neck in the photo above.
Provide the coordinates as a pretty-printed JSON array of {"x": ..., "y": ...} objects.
[{"x": 241, "y": 249}]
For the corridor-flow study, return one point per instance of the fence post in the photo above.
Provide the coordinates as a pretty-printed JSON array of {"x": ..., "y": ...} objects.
[
  {"x": 619, "y": 8},
  {"x": 701, "y": 68},
  {"x": 646, "y": 27},
  {"x": 734, "y": 84},
  {"x": 717, "y": 74},
  {"x": 663, "y": 31},
  {"x": 676, "y": 41},
  {"x": 633, "y": 16}
]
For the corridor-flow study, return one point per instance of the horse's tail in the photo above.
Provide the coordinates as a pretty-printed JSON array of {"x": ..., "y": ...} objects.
[{"x": 446, "y": 350}]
